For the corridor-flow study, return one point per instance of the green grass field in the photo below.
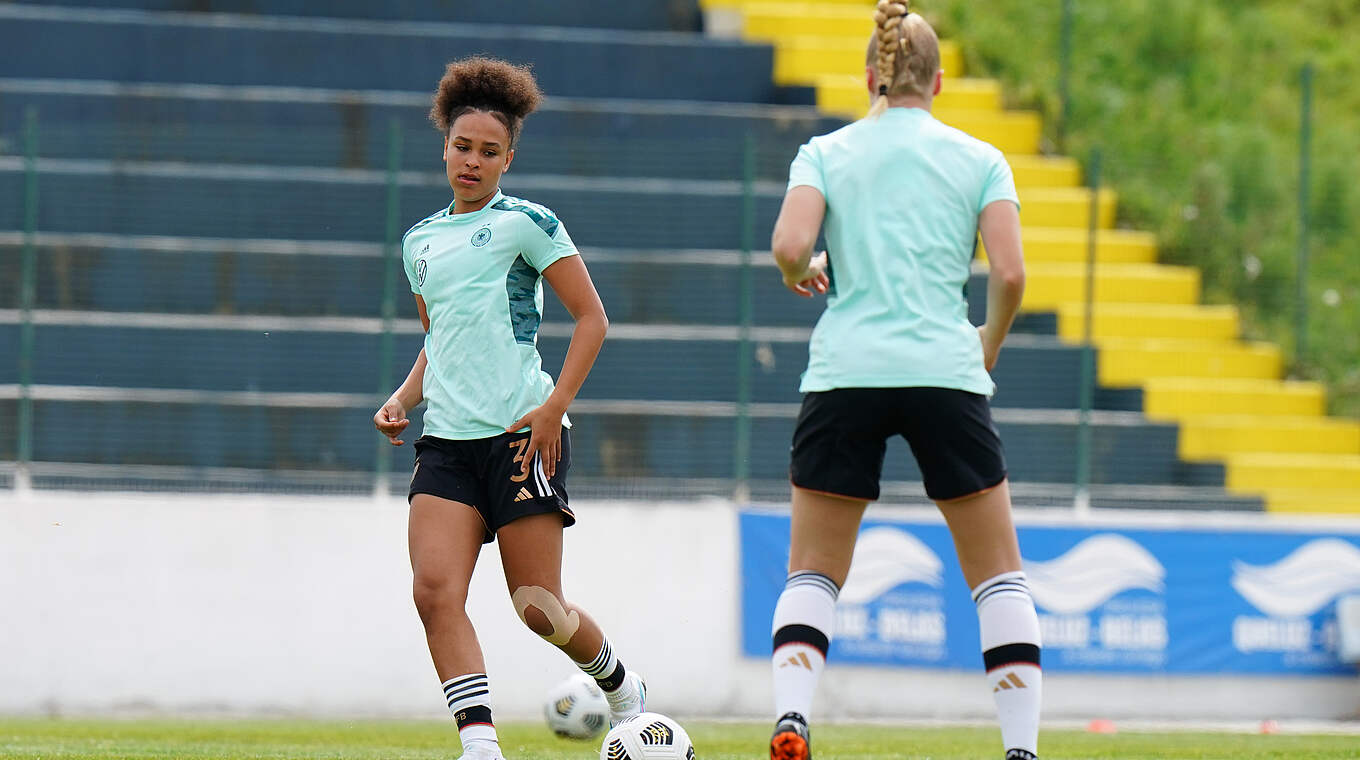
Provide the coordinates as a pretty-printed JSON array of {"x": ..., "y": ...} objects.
[{"x": 34, "y": 739}]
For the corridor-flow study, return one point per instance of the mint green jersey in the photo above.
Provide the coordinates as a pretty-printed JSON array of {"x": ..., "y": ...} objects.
[
  {"x": 480, "y": 276},
  {"x": 903, "y": 194}
]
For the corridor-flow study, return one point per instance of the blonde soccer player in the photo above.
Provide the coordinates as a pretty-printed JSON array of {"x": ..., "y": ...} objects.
[
  {"x": 902, "y": 199},
  {"x": 492, "y": 460}
]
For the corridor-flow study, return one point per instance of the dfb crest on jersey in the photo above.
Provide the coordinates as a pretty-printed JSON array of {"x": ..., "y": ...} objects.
[{"x": 481, "y": 237}]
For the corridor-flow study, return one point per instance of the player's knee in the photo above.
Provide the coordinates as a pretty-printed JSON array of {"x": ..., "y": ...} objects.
[
  {"x": 545, "y": 614},
  {"x": 434, "y": 595}
]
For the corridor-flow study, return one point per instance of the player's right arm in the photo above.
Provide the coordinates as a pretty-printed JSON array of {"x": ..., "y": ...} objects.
[
  {"x": 391, "y": 418},
  {"x": 999, "y": 224}
]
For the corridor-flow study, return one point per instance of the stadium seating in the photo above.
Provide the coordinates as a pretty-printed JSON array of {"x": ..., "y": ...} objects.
[
  {"x": 226, "y": 253},
  {"x": 1152, "y": 334}
]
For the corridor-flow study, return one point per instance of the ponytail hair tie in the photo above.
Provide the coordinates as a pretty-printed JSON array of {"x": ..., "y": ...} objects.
[{"x": 883, "y": 89}]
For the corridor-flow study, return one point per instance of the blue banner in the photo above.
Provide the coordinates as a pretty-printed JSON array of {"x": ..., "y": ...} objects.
[{"x": 1125, "y": 600}]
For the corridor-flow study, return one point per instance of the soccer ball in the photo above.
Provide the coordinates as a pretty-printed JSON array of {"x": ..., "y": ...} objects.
[
  {"x": 648, "y": 736},
  {"x": 576, "y": 708}
]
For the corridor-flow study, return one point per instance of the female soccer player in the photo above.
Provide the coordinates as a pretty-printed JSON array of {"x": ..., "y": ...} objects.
[
  {"x": 903, "y": 198},
  {"x": 493, "y": 457}
]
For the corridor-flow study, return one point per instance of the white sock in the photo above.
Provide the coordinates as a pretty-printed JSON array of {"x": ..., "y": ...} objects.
[
  {"x": 609, "y": 673},
  {"x": 1010, "y": 651},
  {"x": 469, "y": 698},
  {"x": 804, "y": 620}
]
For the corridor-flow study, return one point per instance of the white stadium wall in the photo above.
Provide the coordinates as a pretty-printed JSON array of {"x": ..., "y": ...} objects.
[{"x": 262, "y": 605}]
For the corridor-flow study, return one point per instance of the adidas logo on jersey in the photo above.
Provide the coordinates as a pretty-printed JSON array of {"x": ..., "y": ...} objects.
[
  {"x": 1011, "y": 681},
  {"x": 523, "y": 494}
]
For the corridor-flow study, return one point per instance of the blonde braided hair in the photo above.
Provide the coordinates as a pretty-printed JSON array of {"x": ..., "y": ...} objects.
[{"x": 904, "y": 52}]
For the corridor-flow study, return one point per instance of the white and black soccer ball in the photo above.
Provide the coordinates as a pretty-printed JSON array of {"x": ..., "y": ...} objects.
[
  {"x": 647, "y": 736},
  {"x": 576, "y": 708}
]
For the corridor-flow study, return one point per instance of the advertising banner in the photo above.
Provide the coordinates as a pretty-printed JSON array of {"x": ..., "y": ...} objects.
[{"x": 1126, "y": 600}]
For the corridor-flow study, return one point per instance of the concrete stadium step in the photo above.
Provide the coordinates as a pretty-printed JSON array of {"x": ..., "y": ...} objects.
[
  {"x": 245, "y": 49},
  {"x": 1336, "y": 501},
  {"x": 1248, "y": 473},
  {"x": 775, "y": 21},
  {"x": 1049, "y": 286},
  {"x": 600, "y": 14},
  {"x": 1132, "y": 361},
  {"x": 1044, "y": 171},
  {"x": 1065, "y": 207},
  {"x": 227, "y": 276},
  {"x": 1177, "y": 398},
  {"x": 615, "y": 438},
  {"x": 1069, "y": 245},
  {"x": 1007, "y": 131},
  {"x": 847, "y": 95},
  {"x": 265, "y": 353},
  {"x": 156, "y": 198},
  {"x": 1212, "y": 437},
  {"x": 821, "y": 61},
  {"x": 863, "y": 5},
  {"x": 351, "y": 129},
  {"x": 1117, "y": 320}
]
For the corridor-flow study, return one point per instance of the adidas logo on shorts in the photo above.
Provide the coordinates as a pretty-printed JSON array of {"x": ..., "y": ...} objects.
[{"x": 523, "y": 494}]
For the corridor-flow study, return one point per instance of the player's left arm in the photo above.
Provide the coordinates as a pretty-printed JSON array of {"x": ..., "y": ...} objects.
[
  {"x": 571, "y": 282},
  {"x": 795, "y": 236}
]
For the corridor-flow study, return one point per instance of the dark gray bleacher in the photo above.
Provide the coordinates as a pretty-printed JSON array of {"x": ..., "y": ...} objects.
[
  {"x": 243, "y": 170},
  {"x": 227, "y": 49}
]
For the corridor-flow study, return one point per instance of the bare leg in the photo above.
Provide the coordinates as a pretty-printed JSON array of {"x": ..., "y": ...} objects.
[
  {"x": 445, "y": 538},
  {"x": 822, "y": 536},
  {"x": 531, "y": 551},
  {"x": 989, "y": 554},
  {"x": 821, "y": 544},
  {"x": 984, "y": 535}
]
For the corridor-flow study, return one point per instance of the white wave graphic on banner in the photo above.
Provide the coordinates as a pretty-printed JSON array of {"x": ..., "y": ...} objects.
[
  {"x": 1092, "y": 572},
  {"x": 886, "y": 558},
  {"x": 1302, "y": 583}
]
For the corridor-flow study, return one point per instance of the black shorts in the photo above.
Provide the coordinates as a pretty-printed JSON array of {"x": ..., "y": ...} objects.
[
  {"x": 484, "y": 473},
  {"x": 842, "y": 434}
]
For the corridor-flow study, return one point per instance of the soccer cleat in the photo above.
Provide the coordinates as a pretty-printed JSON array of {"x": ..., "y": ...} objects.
[
  {"x": 627, "y": 700},
  {"x": 1020, "y": 754},
  {"x": 790, "y": 739},
  {"x": 483, "y": 754}
]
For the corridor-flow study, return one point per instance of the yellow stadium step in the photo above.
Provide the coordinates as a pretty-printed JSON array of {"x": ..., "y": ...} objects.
[
  {"x": 1249, "y": 473},
  {"x": 865, "y": 5},
  {"x": 1175, "y": 398},
  {"x": 1068, "y": 245},
  {"x": 1048, "y": 286},
  {"x": 1068, "y": 207},
  {"x": 848, "y": 94},
  {"x": 1212, "y": 437},
  {"x": 1131, "y": 361},
  {"x": 776, "y": 21},
  {"x": 1008, "y": 131},
  {"x": 1117, "y": 320},
  {"x": 840, "y": 61},
  {"x": 1044, "y": 171},
  {"x": 1336, "y": 501}
]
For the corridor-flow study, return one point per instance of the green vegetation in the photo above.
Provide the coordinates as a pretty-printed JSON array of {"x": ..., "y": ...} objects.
[
  {"x": 1195, "y": 107},
  {"x": 303, "y": 740}
]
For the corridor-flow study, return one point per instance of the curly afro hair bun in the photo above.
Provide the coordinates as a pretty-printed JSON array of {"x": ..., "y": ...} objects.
[{"x": 497, "y": 87}]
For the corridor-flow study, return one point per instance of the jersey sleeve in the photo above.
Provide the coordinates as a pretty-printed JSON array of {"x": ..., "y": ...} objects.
[
  {"x": 408, "y": 261},
  {"x": 998, "y": 184},
  {"x": 545, "y": 244},
  {"x": 806, "y": 169}
]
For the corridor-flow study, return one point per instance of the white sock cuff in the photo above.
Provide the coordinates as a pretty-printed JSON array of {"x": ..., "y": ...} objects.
[
  {"x": 808, "y": 601},
  {"x": 1006, "y": 613},
  {"x": 1013, "y": 582}
]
